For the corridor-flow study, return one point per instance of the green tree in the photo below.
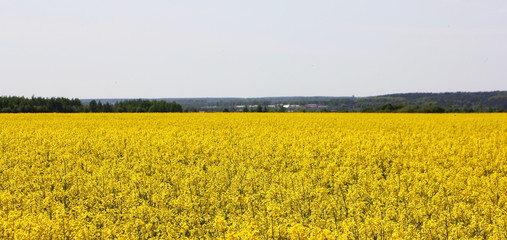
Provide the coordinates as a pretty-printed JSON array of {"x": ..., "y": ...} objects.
[
  {"x": 259, "y": 108},
  {"x": 94, "y": 107}
]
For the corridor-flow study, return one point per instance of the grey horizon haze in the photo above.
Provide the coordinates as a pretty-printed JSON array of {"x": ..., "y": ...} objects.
[{"x": 224, "y": 48}]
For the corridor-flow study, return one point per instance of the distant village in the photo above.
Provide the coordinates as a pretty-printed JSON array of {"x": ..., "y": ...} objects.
[{"x": 269, "y": 108}]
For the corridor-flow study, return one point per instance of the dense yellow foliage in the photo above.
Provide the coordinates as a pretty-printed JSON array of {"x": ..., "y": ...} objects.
[{"x": 253, "y": 176}]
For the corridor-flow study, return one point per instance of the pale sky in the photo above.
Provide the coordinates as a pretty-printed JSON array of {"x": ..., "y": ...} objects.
[{"x": 220, "y": 48}]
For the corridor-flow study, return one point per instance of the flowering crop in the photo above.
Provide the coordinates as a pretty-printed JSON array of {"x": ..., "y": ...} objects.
[{"x": 253, "y": 176}]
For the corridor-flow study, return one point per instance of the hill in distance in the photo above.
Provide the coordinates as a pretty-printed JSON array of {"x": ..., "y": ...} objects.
[{"x": 494, "y": 101}]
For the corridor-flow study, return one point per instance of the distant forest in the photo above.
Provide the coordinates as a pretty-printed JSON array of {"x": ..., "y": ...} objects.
[
  {"x": 407, "y": 102},
  {"x": 65, "y": 105}
]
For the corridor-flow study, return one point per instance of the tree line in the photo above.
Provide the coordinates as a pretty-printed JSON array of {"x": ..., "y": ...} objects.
[
  {"x": 403, "y": 108},
  {"x": 138, "y": 105},
  {"x": 495, "y": 102},
  {"x": 412, "y": 102},
  {"x": 65, "y": 105}
]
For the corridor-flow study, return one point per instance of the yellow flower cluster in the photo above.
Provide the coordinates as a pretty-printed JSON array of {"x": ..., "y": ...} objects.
[{"x": 253, "y": 176}]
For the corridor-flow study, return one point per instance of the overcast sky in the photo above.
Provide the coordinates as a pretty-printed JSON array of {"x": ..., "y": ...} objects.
[{"x": 220, "y": 48}]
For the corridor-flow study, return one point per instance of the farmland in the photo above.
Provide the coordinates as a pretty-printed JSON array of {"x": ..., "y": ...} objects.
[{"x": 253, "y": 176}]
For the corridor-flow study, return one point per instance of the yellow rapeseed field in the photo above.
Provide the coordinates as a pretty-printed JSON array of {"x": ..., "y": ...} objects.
[{"x": 253, "y": 176}]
